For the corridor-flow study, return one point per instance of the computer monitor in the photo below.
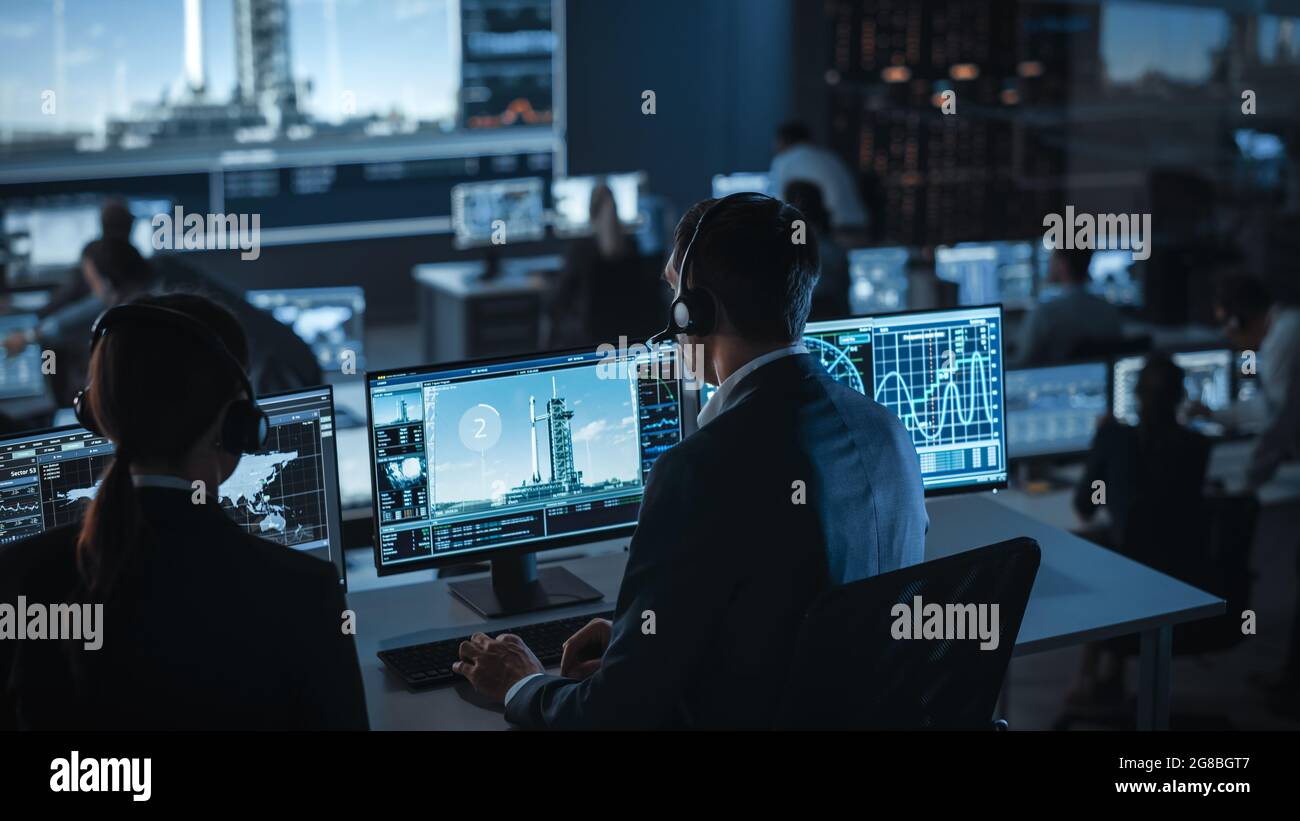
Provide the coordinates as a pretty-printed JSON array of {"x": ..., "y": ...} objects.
[
  {"x": 52, "y": 234},
  {"x": 988, "y": 272},
  {"x": 287, "y": 494},
  {"x": 1112, "y": 278},
  {"x": 724, "y": 185},
  {"x": 843, "y": 346},
  {"x": 330, "y": 320},
  {"x": 572, "y": 201},
  {"x": 20, "y": 373},
  {"x": 1207, "y": 379},
  {"x": 1055, "y": 410},
  {"x": 940, "y": 372},
  {"x": 498, "y": 458},
  {"x": 878, "y": 280},
  {"x": 476, "y": 208}
]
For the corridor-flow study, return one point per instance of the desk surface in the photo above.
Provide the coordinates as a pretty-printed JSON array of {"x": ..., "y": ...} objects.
[
  {"x": 1082, "y": 592},
  {"x": 463, "y": 279}
]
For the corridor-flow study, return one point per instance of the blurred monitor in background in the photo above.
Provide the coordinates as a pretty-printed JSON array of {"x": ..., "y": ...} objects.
[
  {"x": 330, "y": 320},
  {"x": 572, "y": 197}
]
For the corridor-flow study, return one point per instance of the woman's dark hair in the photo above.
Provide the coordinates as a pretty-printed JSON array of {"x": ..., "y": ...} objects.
[
  {"x": 117, "y": 261},
  {"x": 153, "y": 390},
  {"x": 747, "y": 257},
  {"x": 1160, "y": 391}
]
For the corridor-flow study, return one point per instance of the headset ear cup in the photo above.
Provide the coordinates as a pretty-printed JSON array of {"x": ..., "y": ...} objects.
[
  {"x": 704, "y": 312},
  {"x": 81, "y": 409},
  {"x": 245, "y": 429}
]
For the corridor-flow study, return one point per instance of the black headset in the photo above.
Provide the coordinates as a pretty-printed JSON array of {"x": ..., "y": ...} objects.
[
  {"x": 245, "y": 428},
  {"x": 695, "y": 310}
]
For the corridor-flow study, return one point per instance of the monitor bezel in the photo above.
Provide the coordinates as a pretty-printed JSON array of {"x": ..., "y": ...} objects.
[
  {"x": 1109, "y": 368},
  {"x": 489, "y": 553},
  {"x": 954, "y": 490}
]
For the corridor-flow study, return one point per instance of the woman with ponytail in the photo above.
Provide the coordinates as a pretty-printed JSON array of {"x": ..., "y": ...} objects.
[{"x": 203, "y": 625}]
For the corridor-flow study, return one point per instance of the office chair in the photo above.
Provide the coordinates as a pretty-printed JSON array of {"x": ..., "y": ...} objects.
[
  {"x": 850, "y": 673},
  {"x": 1216, "y": 560}
]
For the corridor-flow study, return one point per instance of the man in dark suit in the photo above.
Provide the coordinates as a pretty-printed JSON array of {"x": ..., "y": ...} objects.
[{"x": 793, "y": 483}]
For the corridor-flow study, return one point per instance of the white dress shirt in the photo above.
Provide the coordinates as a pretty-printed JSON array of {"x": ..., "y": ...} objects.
[
  {"x": 827, "y": 171},
  {"x": 718, "y": 402}
]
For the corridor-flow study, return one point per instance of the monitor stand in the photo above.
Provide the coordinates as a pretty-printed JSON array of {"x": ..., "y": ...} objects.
[{"x": 517, "y": 586}]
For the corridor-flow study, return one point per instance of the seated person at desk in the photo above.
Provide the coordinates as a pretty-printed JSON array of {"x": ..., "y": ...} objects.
[
  {"x": 200, "y": 625},
  {"x": 728, "y": 552},
  {"x": 1153, "y": 479},
  {"x": 797, "y": 157},
  {"x": 606, "y": 289},
  {"x": 830, "y": 299},
  {"x": 1070, "y": 318},
  {"x": 115, "y": 223},
  {"x": 113, "y": 271}
]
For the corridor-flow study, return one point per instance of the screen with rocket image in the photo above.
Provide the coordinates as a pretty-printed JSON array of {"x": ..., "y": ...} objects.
[{"x": 538, "y": 450}]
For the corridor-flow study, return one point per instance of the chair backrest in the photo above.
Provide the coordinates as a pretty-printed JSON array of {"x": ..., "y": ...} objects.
[
  {"x": 1219, "y": 563},
  {"x": 860, "y": 664}
]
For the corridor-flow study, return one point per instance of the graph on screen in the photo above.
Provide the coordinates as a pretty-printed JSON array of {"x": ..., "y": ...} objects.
[{"x": 940, "y": 372}]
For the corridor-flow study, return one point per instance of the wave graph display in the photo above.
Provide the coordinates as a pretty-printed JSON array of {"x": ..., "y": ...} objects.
[{"x": 940, "y": 373}]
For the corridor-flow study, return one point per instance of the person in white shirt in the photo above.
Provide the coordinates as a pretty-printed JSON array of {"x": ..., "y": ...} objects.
[{"x": 798, "y": 158}]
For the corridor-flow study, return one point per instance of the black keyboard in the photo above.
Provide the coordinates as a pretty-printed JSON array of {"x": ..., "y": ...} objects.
[{"x": 428, "y": 665}]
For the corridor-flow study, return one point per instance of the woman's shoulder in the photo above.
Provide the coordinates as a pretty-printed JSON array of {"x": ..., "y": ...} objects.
[{"x": 44, "y": 559}]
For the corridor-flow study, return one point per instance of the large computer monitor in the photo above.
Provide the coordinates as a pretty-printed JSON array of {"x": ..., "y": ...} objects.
[
  {"x": 1055, "y": 410},
  {"x": 724, "y": 185},
  {"x": 1207, "y": 379},
  {"x": 1111, "y": 273},
  {"x": 878, "y": 280},
  {"x": 988, "y": 272},
  {"x": 940, "y": 372},
  {"x": 287, "y": 494},
  {"x": 50, "y": 234},
  {"x": 330, "y": 320},
  {"x": 20, "y": 373},
  {"x": 477, "y": 206},
  {"x": 499, "y": 458},
  {"x": 572, "y": 201}
]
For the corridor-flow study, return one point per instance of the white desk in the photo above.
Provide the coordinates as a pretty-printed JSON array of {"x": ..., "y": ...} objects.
[
  {"x": 466, "y": 317},
  {"x": 1082, "y": 593}
]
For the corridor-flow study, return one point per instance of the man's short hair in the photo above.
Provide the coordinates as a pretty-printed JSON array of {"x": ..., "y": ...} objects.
[
  {"x": 746, "y": 257},
  {"x": 793, "y": 133},
  {"x": 1160, "y": 388},
  {"x": 1242, "y": 297},
  {"x": 1077, "y": 262}
]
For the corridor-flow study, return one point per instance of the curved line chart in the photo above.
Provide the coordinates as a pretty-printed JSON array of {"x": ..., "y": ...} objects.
[{"x": 951, "y": 394}]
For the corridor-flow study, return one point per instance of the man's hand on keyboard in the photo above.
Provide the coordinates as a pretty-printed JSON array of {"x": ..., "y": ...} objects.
[
  {"x": 584, "y": 650},
  {"x": 494, "y": 665}
]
